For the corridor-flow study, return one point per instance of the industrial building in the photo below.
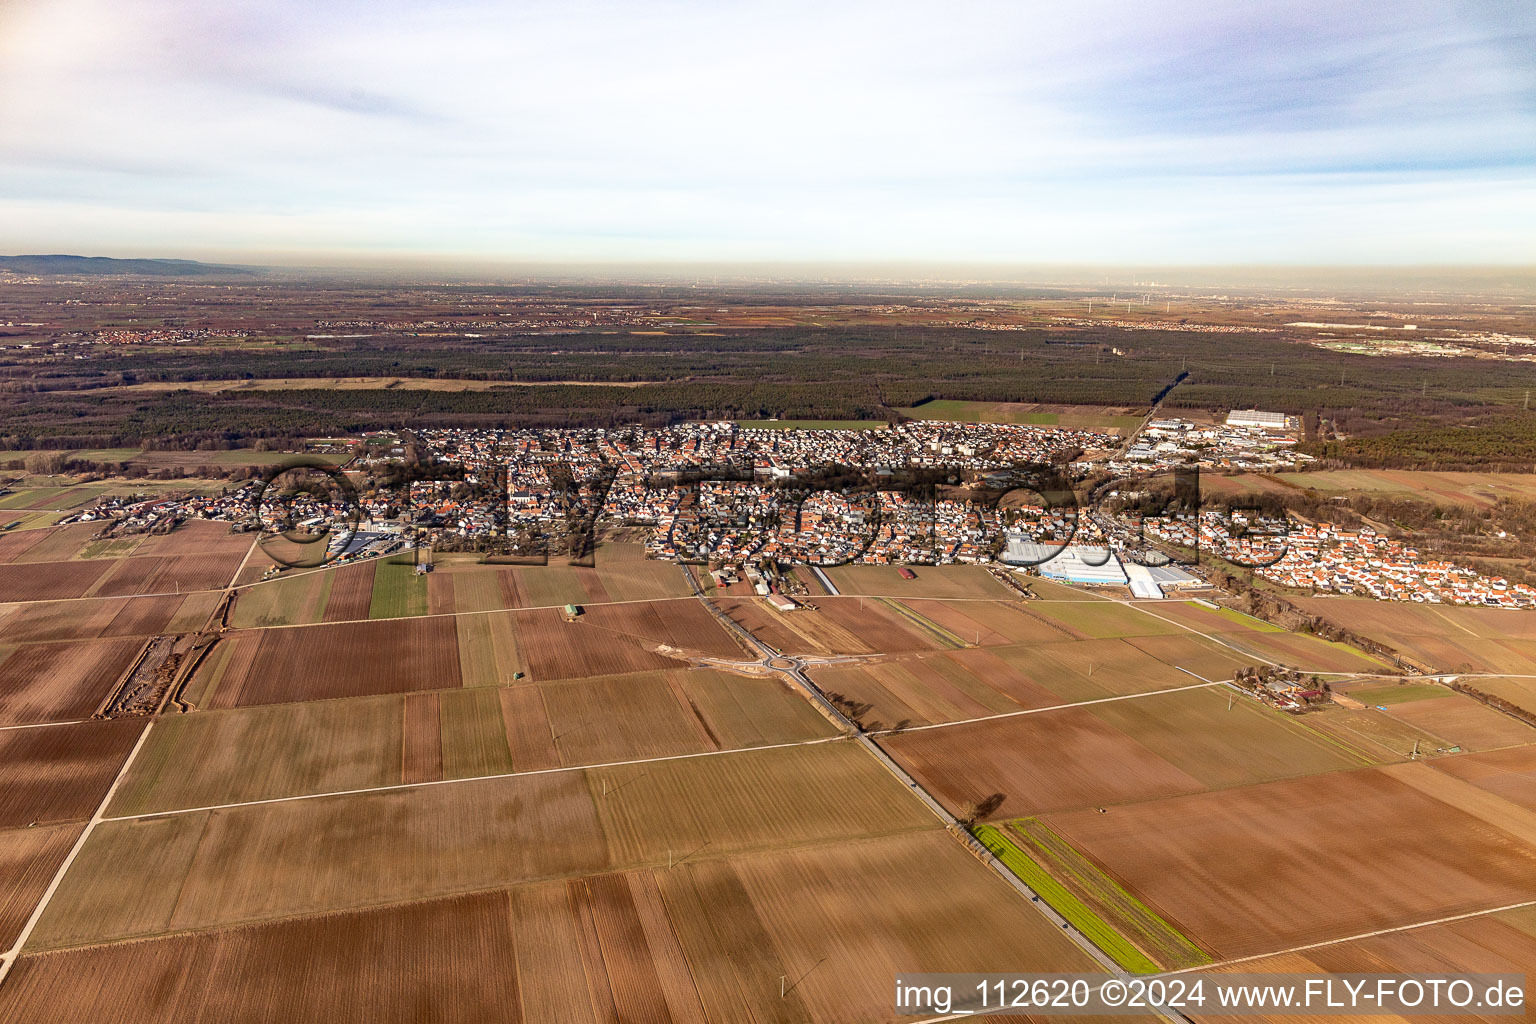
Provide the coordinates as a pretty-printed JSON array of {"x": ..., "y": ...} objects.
[{"x": 1260, "y": 420}]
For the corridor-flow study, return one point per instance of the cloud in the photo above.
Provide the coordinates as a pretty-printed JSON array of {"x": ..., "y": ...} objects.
[{"x": 1027, "y": 131}]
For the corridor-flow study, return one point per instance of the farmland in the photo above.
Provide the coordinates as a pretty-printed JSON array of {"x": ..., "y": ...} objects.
[
  {"x": 1111, "y": 753},
  {"x": 705, "y": 940},
  {"x": 258, "y": 861},
  {"x": 286, "y": 750},
  {"x": 60, "y": 774},
  {"x": 390, "y": 588},
  {"x": 1341, "y": 853},
  {"x": 624, "y": 812},
  {"x": 52, "y": 682},
  {"x": 1450, "y": 639},
  {"x": 940, "y": 581},
  {"x": 1449, "y": 488}
]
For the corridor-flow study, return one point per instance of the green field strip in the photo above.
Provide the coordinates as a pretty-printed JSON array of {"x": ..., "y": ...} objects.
[
  {"x": 1256, "y": 624},
  {"x": 1400, "y": 693},
  {"x": 1146, "y": 928},
  {"x": 1063, "y": 902},
  {"x": 398, "y": 592},
  {"x": 927, "y": 625}
]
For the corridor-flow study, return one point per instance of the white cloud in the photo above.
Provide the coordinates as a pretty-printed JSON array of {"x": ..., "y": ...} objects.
[{"x": 1155, "y": 132}]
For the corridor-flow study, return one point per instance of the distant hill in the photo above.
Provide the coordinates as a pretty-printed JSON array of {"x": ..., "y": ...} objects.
[{"x": 102, "y": 266}]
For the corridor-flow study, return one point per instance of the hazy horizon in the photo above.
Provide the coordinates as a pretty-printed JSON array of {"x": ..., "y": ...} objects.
[{"x": 1459, "y": 279}]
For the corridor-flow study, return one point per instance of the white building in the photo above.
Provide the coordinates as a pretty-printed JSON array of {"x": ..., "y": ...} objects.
[{"x": 1262, "y": 420}]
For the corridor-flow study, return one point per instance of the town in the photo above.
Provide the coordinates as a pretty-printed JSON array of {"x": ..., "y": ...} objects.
[{"x": 728, "y": 495}]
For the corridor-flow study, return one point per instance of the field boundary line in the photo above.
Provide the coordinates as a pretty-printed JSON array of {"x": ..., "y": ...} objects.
[
  {"x": 1053, "y": 707},
  {"x": 46, "y": 725},
  {"x": 8, "y": 959},
  {"x": 392, "y": 787},
  {"x": 241, "y": 567},
  {"x": 1452, "y": 919}
]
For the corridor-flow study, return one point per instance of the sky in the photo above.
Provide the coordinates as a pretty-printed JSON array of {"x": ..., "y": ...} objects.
[{"x": 1158, "y": 131}]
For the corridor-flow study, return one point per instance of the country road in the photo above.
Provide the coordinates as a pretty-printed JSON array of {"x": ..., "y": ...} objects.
[{"x": 794, "y": 669}]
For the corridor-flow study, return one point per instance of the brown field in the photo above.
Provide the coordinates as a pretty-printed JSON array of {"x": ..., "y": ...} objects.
[
  {"x": 351, "y": 659},
  {"x": 937, "y": 581},
  {"x": 528, "y": 731},
  {"x": 105, "y": 617},
  {"x": 146, "y": 616},
  {"x": 1205, "y": 658},
  {"x": 252, "y": 862},
  {"x": 479, "y": 590},
  {"x": 386, "y": 965},
  {"x": 743, "y": 711},
  {"x": 840, "y": 625},
  {"x": 17, "y": 543},
  {"x": 1224, "y": 742},
  {"x": 956, "y": 686},
  {"x": 992, "y": 622},
  {"x": 59, "y": 543},
  {"x": 1374, "y": 733},
  {"x": 283, "y": 750},
  {"x": 198, "y": 538},
  {"x": 847, "y": 624},
  {"x": 50, "y": 581},
  {"x": 1468, "y": 654},
  {"x": 1480, "y": 802},
  {"x": 768, "y": 625},
  {"x": 1087, "y": 669},
  {"x": 547, "y": 586},
  {"x": 1050, "y": 761},
  {"x": 474, "y": 734},
  {"x": 1464, "y": 722},
  {"x": 1307, "y": 653},
  {"x": 265, "y": 752},
  {"x": 60, "y": 773},
  {"x": 488, "y": 650},
  {"x": 55, "y": 682},
  {"x": 1509, "y": 773},
  {"x": 351, "y": 592},
  {"x": 152, "y": 574},
  {"x": 1450, "y": 639},
  {"x": 1448, "y": 488},
  {"x": 1103, "y": 618},
  {"x": 440, "y": 599},
  {"x": 29, "y": 857},
  {"x": 629, "y": 576},
  {"x": 948, "y": 686},
  {"x": 1304, "y": 860},
  {"x": 1492, "y": 943},
  {"x": 421, "y": 747},
  {"x": 865, "y": 907},
  {"x": 613, "y": 639},
  {"x": 620, "y": 572},
  {"x": 1519, "y": 692},
  {"x": 57, "y": 620},
  {"x": 601, "y": 720},
  {"x": 706, "y": 940},
  {"x": 1110, "y": 753}
]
